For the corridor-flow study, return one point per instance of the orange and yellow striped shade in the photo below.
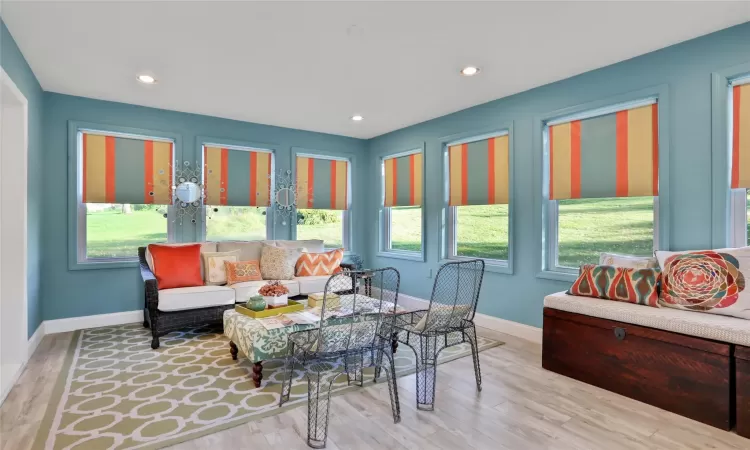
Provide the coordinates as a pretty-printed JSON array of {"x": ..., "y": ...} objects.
[
  {"x": 741, "y": 136},
  {"x": 322, "y": 183},
  {"x": 126, "y": 170},
  {"x": 236, "y": 177},
  {"x": 614, "y": 155},
  {"x": 403, "y": 180},
  {"x": 479, "y": 172}
]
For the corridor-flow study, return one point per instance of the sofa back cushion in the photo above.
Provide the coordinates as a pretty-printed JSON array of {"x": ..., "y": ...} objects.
[
  {"x": 309, "y": 245},
  {"x": 176, "y": 266},
  {"x": 709, "y": 281},
  {"x": 249, "y": 250},
  {"x": 205, "y": 247}
]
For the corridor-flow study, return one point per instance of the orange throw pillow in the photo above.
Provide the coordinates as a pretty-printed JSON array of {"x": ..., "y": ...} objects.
[
  {"x": 316, "y": 264},
  {"x": 241, "y": 271},
  {"x": 177, "y": 265}
]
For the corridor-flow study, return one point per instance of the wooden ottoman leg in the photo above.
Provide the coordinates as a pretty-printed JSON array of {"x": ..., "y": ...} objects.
[
  {"x": 233, "y": 350},
  {"x": 257, "y": 373}
]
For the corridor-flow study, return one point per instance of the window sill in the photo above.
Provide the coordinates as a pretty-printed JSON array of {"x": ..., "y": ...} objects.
[
  {"x": 409, "y": 256},
  {"x": 490, "y": 265},
  {"x": 95, "y": 265},
  {"x": 557, "y": 276}
]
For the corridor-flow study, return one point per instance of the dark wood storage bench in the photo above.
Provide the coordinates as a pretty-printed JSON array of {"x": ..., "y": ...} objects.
[{"x": 703, "y": 379}]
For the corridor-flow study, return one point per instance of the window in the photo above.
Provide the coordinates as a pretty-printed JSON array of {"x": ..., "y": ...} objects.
[
  {"x": 480, "y": 231},
  {"x": 401, "y": 216},
  {"x": 123, "y": 194},
  {"x": 236, "y": 223},
  {"x": 478, "y": 174},
  {"x": 584, "y": 228},
  {"x": 237, "y": 183},
  {"x": 325, "y": 224},
  {"x": 323, "y": 199},
  {"x": 601, "y": 187},
  {"x": 403, "y": 229},
  {"x": 739, "y": 155}
]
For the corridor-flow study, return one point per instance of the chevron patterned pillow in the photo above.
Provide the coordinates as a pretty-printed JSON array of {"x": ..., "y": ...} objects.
[{"x": 316, "y": 264}]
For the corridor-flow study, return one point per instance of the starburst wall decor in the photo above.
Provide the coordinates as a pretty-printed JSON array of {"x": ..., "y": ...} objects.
[{"x": 188, "y": 192}]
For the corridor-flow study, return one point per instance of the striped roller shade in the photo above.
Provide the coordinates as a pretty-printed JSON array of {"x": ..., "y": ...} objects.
[
  {"x": 236, "y": 177},
  {"x": 322, "y": 183},
  {"x": 478, "y": 172},
  {"x": 126, "y": 170},
  {"x": 403, "y": 180},
  {"x": 741, "y": 136},
  {"x": 613, "y": 155}
]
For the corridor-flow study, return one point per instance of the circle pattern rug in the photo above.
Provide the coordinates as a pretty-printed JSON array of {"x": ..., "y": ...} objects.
[{"x": 115, "y": 392}]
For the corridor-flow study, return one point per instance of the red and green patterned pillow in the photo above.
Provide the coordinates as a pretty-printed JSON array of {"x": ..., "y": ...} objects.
[{"x": 621, "y": 284}]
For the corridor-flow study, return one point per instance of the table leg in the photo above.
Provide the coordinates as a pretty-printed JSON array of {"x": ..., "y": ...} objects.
[
  {"x": 233, "y": 350},
  {"x": 257, "y": 373}
]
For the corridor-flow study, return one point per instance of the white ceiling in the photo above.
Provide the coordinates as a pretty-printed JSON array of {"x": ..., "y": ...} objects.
[{"x": 311, "y": 65}]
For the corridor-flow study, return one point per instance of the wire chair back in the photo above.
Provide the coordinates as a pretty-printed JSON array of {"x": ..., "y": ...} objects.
[
  {"x": 356, "y": 310},
  {"x": 454, "y": 295}
]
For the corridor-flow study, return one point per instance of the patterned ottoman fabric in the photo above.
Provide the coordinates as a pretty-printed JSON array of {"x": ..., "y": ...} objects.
[
  {"x": 259, "y": 344},
  {"x": 254, "y": 340}
]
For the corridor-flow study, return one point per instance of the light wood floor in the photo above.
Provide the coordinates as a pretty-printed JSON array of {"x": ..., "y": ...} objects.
[{"x": 521, "y": 406}]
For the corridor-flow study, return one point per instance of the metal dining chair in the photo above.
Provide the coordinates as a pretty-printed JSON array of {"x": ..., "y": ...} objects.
[
  {"x": 355, "y": 332},
  {"x": 447, "y": 321}
]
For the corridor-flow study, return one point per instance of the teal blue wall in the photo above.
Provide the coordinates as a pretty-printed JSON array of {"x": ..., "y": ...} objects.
[
  {"x": 686, "y": 70},
  {"x": 85, "y": 292},
  {"x": 19, "y": 71}
]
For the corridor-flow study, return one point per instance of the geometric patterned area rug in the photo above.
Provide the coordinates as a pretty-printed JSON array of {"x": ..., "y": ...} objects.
[{"x": 115, "y": 392}]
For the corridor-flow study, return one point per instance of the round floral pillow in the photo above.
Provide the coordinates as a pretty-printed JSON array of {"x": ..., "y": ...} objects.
[{"x": 708, "y": 281}]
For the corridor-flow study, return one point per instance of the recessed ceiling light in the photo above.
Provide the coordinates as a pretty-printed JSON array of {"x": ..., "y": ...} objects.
[
  {"x": 146, "y": 79},
  {"x": 469, "y": 71},
  {"x": 357, "y": 118}
]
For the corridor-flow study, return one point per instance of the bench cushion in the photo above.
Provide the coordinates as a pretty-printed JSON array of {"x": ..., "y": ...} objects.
[{"x": 707, "y": 326}]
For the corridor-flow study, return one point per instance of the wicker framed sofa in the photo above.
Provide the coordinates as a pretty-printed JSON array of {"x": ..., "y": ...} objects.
[
  {"x": 167, "y": 310},
  {"x": 693, "y": 364}
]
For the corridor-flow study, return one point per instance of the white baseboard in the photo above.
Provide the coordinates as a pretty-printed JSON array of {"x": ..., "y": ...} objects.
[
  {"x": 99, "y": 320},
  {"x": 35, "y": 340},
  {"x": 516, "y": 329}
]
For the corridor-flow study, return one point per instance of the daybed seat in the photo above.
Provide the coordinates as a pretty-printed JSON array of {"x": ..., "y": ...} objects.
[
  {"x": 691, "y": 363},
  {"x": 707, "y": 326}
]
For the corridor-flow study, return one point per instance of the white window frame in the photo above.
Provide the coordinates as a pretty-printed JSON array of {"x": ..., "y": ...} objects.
[
  {"x": 386, "y": 217},
  {"x": 737, "y": 197},
  {"x": 245, "y": 148},
  {"x": 81, "y": 231},
  {"x": 346, "y": 234},
  {"x": 451, "y": 248},
  {"x": 551, "y": 251}
]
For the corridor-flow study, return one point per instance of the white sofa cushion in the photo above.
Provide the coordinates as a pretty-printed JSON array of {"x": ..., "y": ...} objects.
[
  {"x": 311, "y": 285},
  {"x": 205, "y": 247},
  {"x": 249, "y": 250},
  {"x": 309, "y": 246},
  {"x": 243, "y": 291},
  {"x": 707, "y": 326},
  {"x": 179, "y": 299}
]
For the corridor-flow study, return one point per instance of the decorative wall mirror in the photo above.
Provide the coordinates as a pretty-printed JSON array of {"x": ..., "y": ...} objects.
[
  {"x": 285, "y": 196},
  {"x": 188, "y": 192}
]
